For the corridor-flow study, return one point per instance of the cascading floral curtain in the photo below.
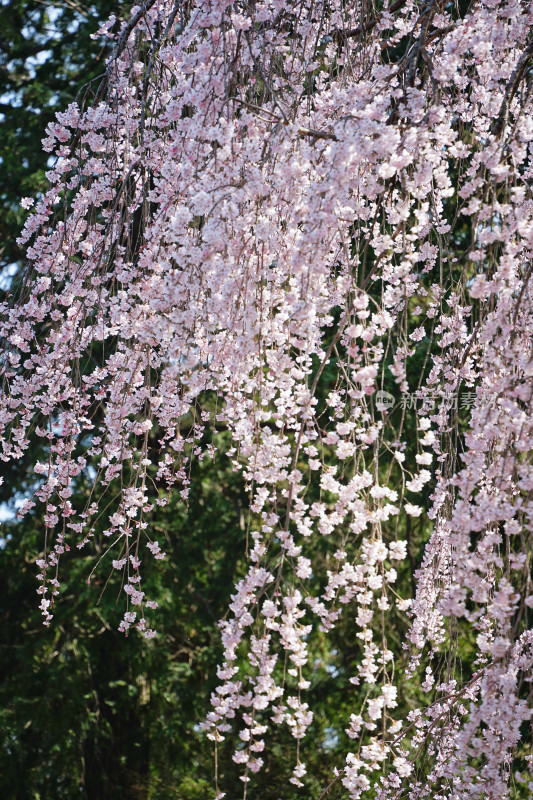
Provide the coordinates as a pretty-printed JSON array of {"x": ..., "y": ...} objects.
[{"x": 311, "y": 225}]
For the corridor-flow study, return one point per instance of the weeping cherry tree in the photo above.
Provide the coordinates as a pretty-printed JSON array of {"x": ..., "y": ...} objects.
[{"x": 308, "y": 225}]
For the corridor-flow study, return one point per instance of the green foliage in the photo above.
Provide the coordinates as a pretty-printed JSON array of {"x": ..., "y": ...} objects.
[{"x": 87, "y": 712}]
